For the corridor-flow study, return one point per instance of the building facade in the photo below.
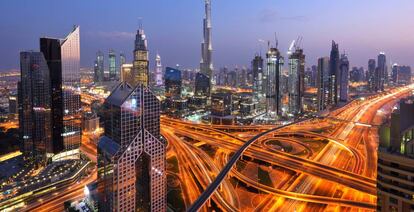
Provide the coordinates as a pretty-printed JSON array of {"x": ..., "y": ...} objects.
[
  {"x": 140, "y": 71},
  {"x": 344, "y": 78},
  {"x": 334, "y": 80},
  {"x": 158, "y": 71},
  {"x": 131, "y": 154},
  {"x": 35, "y": 111},
  {"x": 63, "y": 60},
  {"x": 173, "y": 83},
  {"x": 206, "y": 64},
  {"x": 322, "y": 83},
  {"x": 272, "y": 82},
  {"x": 98, "y": 68},
  {"x": 296, "y": 81},
  {"x": 113, "y": 71}
]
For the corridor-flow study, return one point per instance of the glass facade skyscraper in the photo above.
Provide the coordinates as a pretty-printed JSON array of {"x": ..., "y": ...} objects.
[
  {"x": 63, "y": 60},
  {"x": 296, "y": 81},
  {"x": 272, "y": 82},
  {"x": 113, "y": 72},
  {"x": 202, "y": 85},
  {"x": 257, "y": 69},
  {"x": 333, "y": 75},
  {"x": 35, "y": 115},
  {"x": 140, "y": 63},
  {"x": 322, "y": 82},
  {"x": 173, "y": 82},
  {"x": 98, "y": 68},
  {"x": 344, "y": 76},
  {"x": 131, "y": 154}
]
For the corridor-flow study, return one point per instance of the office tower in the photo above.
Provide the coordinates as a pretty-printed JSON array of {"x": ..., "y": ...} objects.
[
  {"x": 382, "y": 71},
  {"x": 394, "y": 73},
  {"x": 274, "y": 65},
  {"x": 314, "y": 75},
  {"x": 257, "y": 69},
  {"x": 322, "y": 83},
  {"x": 401, "y": 75},
  {"x": 158, "y": 71},
  {"x": 371, "y": 76},
  {"x": 333, "y": 75},
  {"x": 222, "y": 76},
  {"x": 140, "y": 71},
  {"x": 131, "y": 156},
  {"x": 173, "y": 82},
  {"x": 221, "y": 108},
  {"x": 98, "y": 68},
  {"x": 344, "y": 78},
  {"x": 35, "y": 107},
  {"x": 395, "y": 160},
  {"x": 126, "y": 73},
  {"x": 122, "y": 60},
  {"x": 63, "y": 60},
  {"x": 113, "y": 73},
  {"x": 206, "y": 64},
  {"x": 296, "y": 84},
  {"x": 202, "y": 85},
  {"x": 243, "y": 77},
  {"x": 13, "y": 104},
  {"x": 354, "y": 75}
]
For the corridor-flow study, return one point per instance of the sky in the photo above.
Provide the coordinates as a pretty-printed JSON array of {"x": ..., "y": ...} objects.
[{"x": 174, "y": 28}]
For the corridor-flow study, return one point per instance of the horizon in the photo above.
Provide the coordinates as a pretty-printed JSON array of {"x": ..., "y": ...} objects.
[{"x": 115, "y": 24}]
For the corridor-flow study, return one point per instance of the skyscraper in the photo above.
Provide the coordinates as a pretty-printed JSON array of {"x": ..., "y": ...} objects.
[
  {"x": 113, "y": 73},
  {"x": 333, "y": 75},
  {"x": 322, "y": 82},
  {"x": 372, "y": 76},
  {"x": 63, "y": 60},
  {"x": 344, "y": 78},
  {"x": 202, "y": 85},
  {"x": 131, "y": 154},
  {"x": 257, "y": 69},
  {"x": 158, "y": 71},
  {"x": 296, "y": 81},
  {"x": 172, "y": 83},
  {"x": 274, "y": 64},
  {"x": 122, "y": 60},
  {"x": 98, "y": 68},
  {"x": 35, "y": 115},
  {"x": 206, "y": 64},
  {"x": 140, "y": 72},
  {"x": 382, "y": 71}
]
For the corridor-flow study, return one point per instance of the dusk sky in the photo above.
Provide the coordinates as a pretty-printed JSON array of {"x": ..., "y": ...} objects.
[{"x": 174, "y": 28}]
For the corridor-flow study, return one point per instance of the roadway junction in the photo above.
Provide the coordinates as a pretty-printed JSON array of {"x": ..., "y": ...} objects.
[{"x": 319, "y": 164}]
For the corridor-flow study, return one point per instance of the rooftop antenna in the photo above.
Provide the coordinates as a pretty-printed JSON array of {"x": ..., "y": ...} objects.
[
  {"x": 140, "y": 22},
  {"x": 276, "y": 41}
]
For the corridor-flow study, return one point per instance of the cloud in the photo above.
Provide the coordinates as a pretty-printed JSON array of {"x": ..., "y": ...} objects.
[
  {"x": 113, "y": 34},
  {"x": 271, "y": 15}
]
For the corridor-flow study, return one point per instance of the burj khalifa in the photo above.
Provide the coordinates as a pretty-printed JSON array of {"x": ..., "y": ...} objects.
[{"x": 206, "y": 64}]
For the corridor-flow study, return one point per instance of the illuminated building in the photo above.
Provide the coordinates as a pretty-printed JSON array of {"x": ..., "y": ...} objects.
[
  {"x": 296, "y": 81},
  {"x": 98, "y": 67},
  {"x": 206, "y": 64},
  {"x": 126, "y": 73},
  {"x": 257, "y": 68},
  {"x": 63, "y": 59},
  {"x": 272, "y": 82},
  {"x": 401, "y": 75},
  {"x": 221, "y": 108},
  {"x": 202, "y": 85},
  {"x": 131, "y": 154},
  {"x": 396, "y": 160},
  {"x": 173, "y": 83},
  {"x": 113, "y": 73},
  {"x": 333, "y": 75},
  {"x": 13, "y": 104},
  {"x": 372, "y": 76},
  {"x": 322, "y": 83},
  {"x": 140, "y": 71},
  {"x": 122, "y": 60},
  {"x": 382, "y": 71},
  {"x": 158, "y": 71},
  {"x": 344, "y": 78},
  {"x": 35, "y": 115}
]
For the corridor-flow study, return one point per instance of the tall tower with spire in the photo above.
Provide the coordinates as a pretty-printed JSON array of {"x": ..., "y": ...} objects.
[
  {"x": 140, "y": 63},
  {"x": 206, "y": 64}
]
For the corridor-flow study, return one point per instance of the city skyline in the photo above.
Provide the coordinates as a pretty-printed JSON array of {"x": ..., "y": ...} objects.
[{"x": 259, "y": 21}]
